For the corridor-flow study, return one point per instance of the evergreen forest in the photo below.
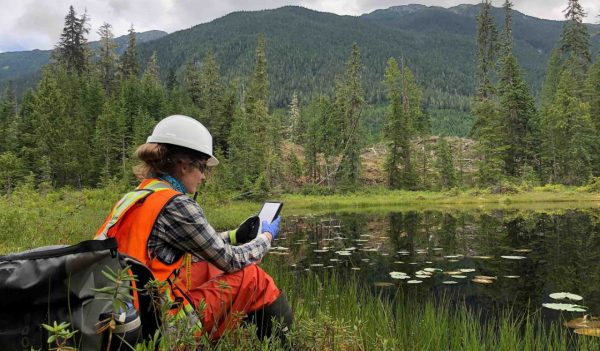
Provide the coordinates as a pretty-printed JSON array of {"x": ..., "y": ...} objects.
[{"x": 376, "y": 118}]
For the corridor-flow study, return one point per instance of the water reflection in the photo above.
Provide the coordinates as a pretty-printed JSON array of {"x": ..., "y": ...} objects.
[{"x": 525, "y": 255}]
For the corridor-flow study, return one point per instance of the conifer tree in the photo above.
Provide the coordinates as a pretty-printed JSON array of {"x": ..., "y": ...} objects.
[
  {"x": 107, "y": 142},
  {"x": 445, "y": 165},
  {"x": 517, "y": 113},
  {"x": 569, "y": 135},
  {"x": 516, "y": 109},
  {"x": 107, "y": 61},
  {"x": 11, "y": 170},
  {"x": 130, "y": 65},
  {"x": 550, "y": 83},
  {"x": 316, "y": 116},
  {"x": 404, "y": 120},
  {"x": 71, "y": 50},
  {"x": 249, "y": 148},
  {"x": 349, "y": 103},
  {"x": 8, "y": 116},
  {"x": 223, "y": 124},
  {"x": 243, "y": 169},
  {"x": 129, "y": 99},
  {"x": 487, "y": 50},
  {"x": 25, "y": 129},
  {"x": 403, "y": 110},
  {"x": 171, "y": 81},
  {"x": 61, "y": 127},
  {"x": 153, "y": 97},
  {"x": 296, "y": 120},
  {"x": 192, "y": 84},
  {"x": 506, "y": 43},
  {"x": 575, "y": 41},
  {"x": 212, "y": 101},
  {"x": 572, "y": 54},
  {"x": 572, "y": 58},
  {"x": 593, "y": 93},
  {"x": 490, "y": 148},
  {"x": 258, "y": 88}
]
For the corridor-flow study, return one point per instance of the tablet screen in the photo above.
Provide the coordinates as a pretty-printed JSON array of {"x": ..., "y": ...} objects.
[{"x": 269, "y": 211}]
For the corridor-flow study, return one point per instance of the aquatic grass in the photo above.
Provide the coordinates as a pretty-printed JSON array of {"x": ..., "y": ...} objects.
[{"x": 358, "y": 317}]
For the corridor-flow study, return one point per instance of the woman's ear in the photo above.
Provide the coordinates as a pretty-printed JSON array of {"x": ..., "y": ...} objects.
[{"x": 182, "y": 168}]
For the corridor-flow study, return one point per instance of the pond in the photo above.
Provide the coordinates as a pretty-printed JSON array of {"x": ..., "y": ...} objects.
[{"x": 487, "y": 259}]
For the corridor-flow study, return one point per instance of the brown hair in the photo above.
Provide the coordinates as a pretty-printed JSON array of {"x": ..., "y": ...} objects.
[{"x": 159, "y": 159}]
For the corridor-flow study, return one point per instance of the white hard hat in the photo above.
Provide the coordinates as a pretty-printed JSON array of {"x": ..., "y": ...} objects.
[{"x": 186, "y": 132}]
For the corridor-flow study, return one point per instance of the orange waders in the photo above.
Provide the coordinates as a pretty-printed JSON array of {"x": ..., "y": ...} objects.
[{"x": 224, "y": 298}]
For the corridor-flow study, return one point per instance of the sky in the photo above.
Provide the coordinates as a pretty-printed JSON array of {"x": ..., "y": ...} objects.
[{"x": 37, "y": 24}]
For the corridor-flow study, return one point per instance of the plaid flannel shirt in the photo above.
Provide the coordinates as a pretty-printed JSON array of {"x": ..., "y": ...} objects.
[{"x": 182, "y": 227}]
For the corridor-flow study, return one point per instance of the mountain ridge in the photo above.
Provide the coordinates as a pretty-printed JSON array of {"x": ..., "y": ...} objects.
[
  {"x": 307, "y": 49},
  {"x": 23, "y": 67}
]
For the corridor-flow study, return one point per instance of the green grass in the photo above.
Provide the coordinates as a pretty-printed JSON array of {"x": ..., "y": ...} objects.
[
  {"x": 332, "y": 312},
  {"x": 335, "y": 313},
  {"x": 379, "y": 199}
]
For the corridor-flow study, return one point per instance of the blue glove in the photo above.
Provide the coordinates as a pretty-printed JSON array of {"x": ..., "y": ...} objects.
[{"x": 272, "y": 227}]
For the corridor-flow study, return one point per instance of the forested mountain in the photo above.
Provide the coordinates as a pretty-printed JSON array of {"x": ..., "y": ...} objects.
[
  {"x": 306, "y": 49},
  {"x": 23, "y": 67},
  {"x": 326, "y": 87}
]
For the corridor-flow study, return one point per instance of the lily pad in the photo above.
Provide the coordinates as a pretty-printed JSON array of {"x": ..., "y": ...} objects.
[
  {"x": 565, "y": 307},
  {"x": 424, "y": 272},
  {"x": 459, "y": 276},
  {"x": 482, "y": 281},
  {"x": 583, "y": 322},
  {"x": 414, "y": 281},
  {"x": 383, "y": 284},
  {"x": 422, "y": 276},
  {"x": 344, "y": 253},
  {"x": 482, "y": 257},
  {"x": 467, "y": 270},
  {"x": 431, "y": 270},
  {"x": 522, "y": 250},
  {"x": 485, "y": 277},
  {"x": 399, "y": 275},
  {"x": 514, "y": 257},
  {"x": 449, "y": 282},
  {"x": 452, "y": 272},
  {"x": 453, "y": 256},
  {"x": 588, "y": 331},
  {"x": 512, "y": 276},
  {"x": 566, "y": 295}
]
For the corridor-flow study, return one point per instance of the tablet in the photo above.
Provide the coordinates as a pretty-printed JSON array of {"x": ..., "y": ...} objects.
[{"x": 270, "y": 211}]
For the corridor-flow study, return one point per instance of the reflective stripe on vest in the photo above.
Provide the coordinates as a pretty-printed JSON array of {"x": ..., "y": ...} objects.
[
  {"x": 128, "y": 200},
  {"x": 131, "y": 222}
]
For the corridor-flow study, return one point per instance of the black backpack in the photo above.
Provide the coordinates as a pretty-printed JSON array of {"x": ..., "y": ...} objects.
[{"x": 54, "y": 284}]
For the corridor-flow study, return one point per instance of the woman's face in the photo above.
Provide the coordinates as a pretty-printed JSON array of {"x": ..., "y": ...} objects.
[{"x": 192, "y": 175}]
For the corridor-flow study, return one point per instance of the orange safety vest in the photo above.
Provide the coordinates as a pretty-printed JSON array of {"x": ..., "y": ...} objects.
[{"x": 131, "y": 222}]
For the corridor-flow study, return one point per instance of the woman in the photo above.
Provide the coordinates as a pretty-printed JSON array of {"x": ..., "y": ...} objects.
[{"x": 165, "y": 229}]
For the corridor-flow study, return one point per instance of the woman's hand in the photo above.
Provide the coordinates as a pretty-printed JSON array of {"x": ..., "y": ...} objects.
[{"x": 271, "y": 228}]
